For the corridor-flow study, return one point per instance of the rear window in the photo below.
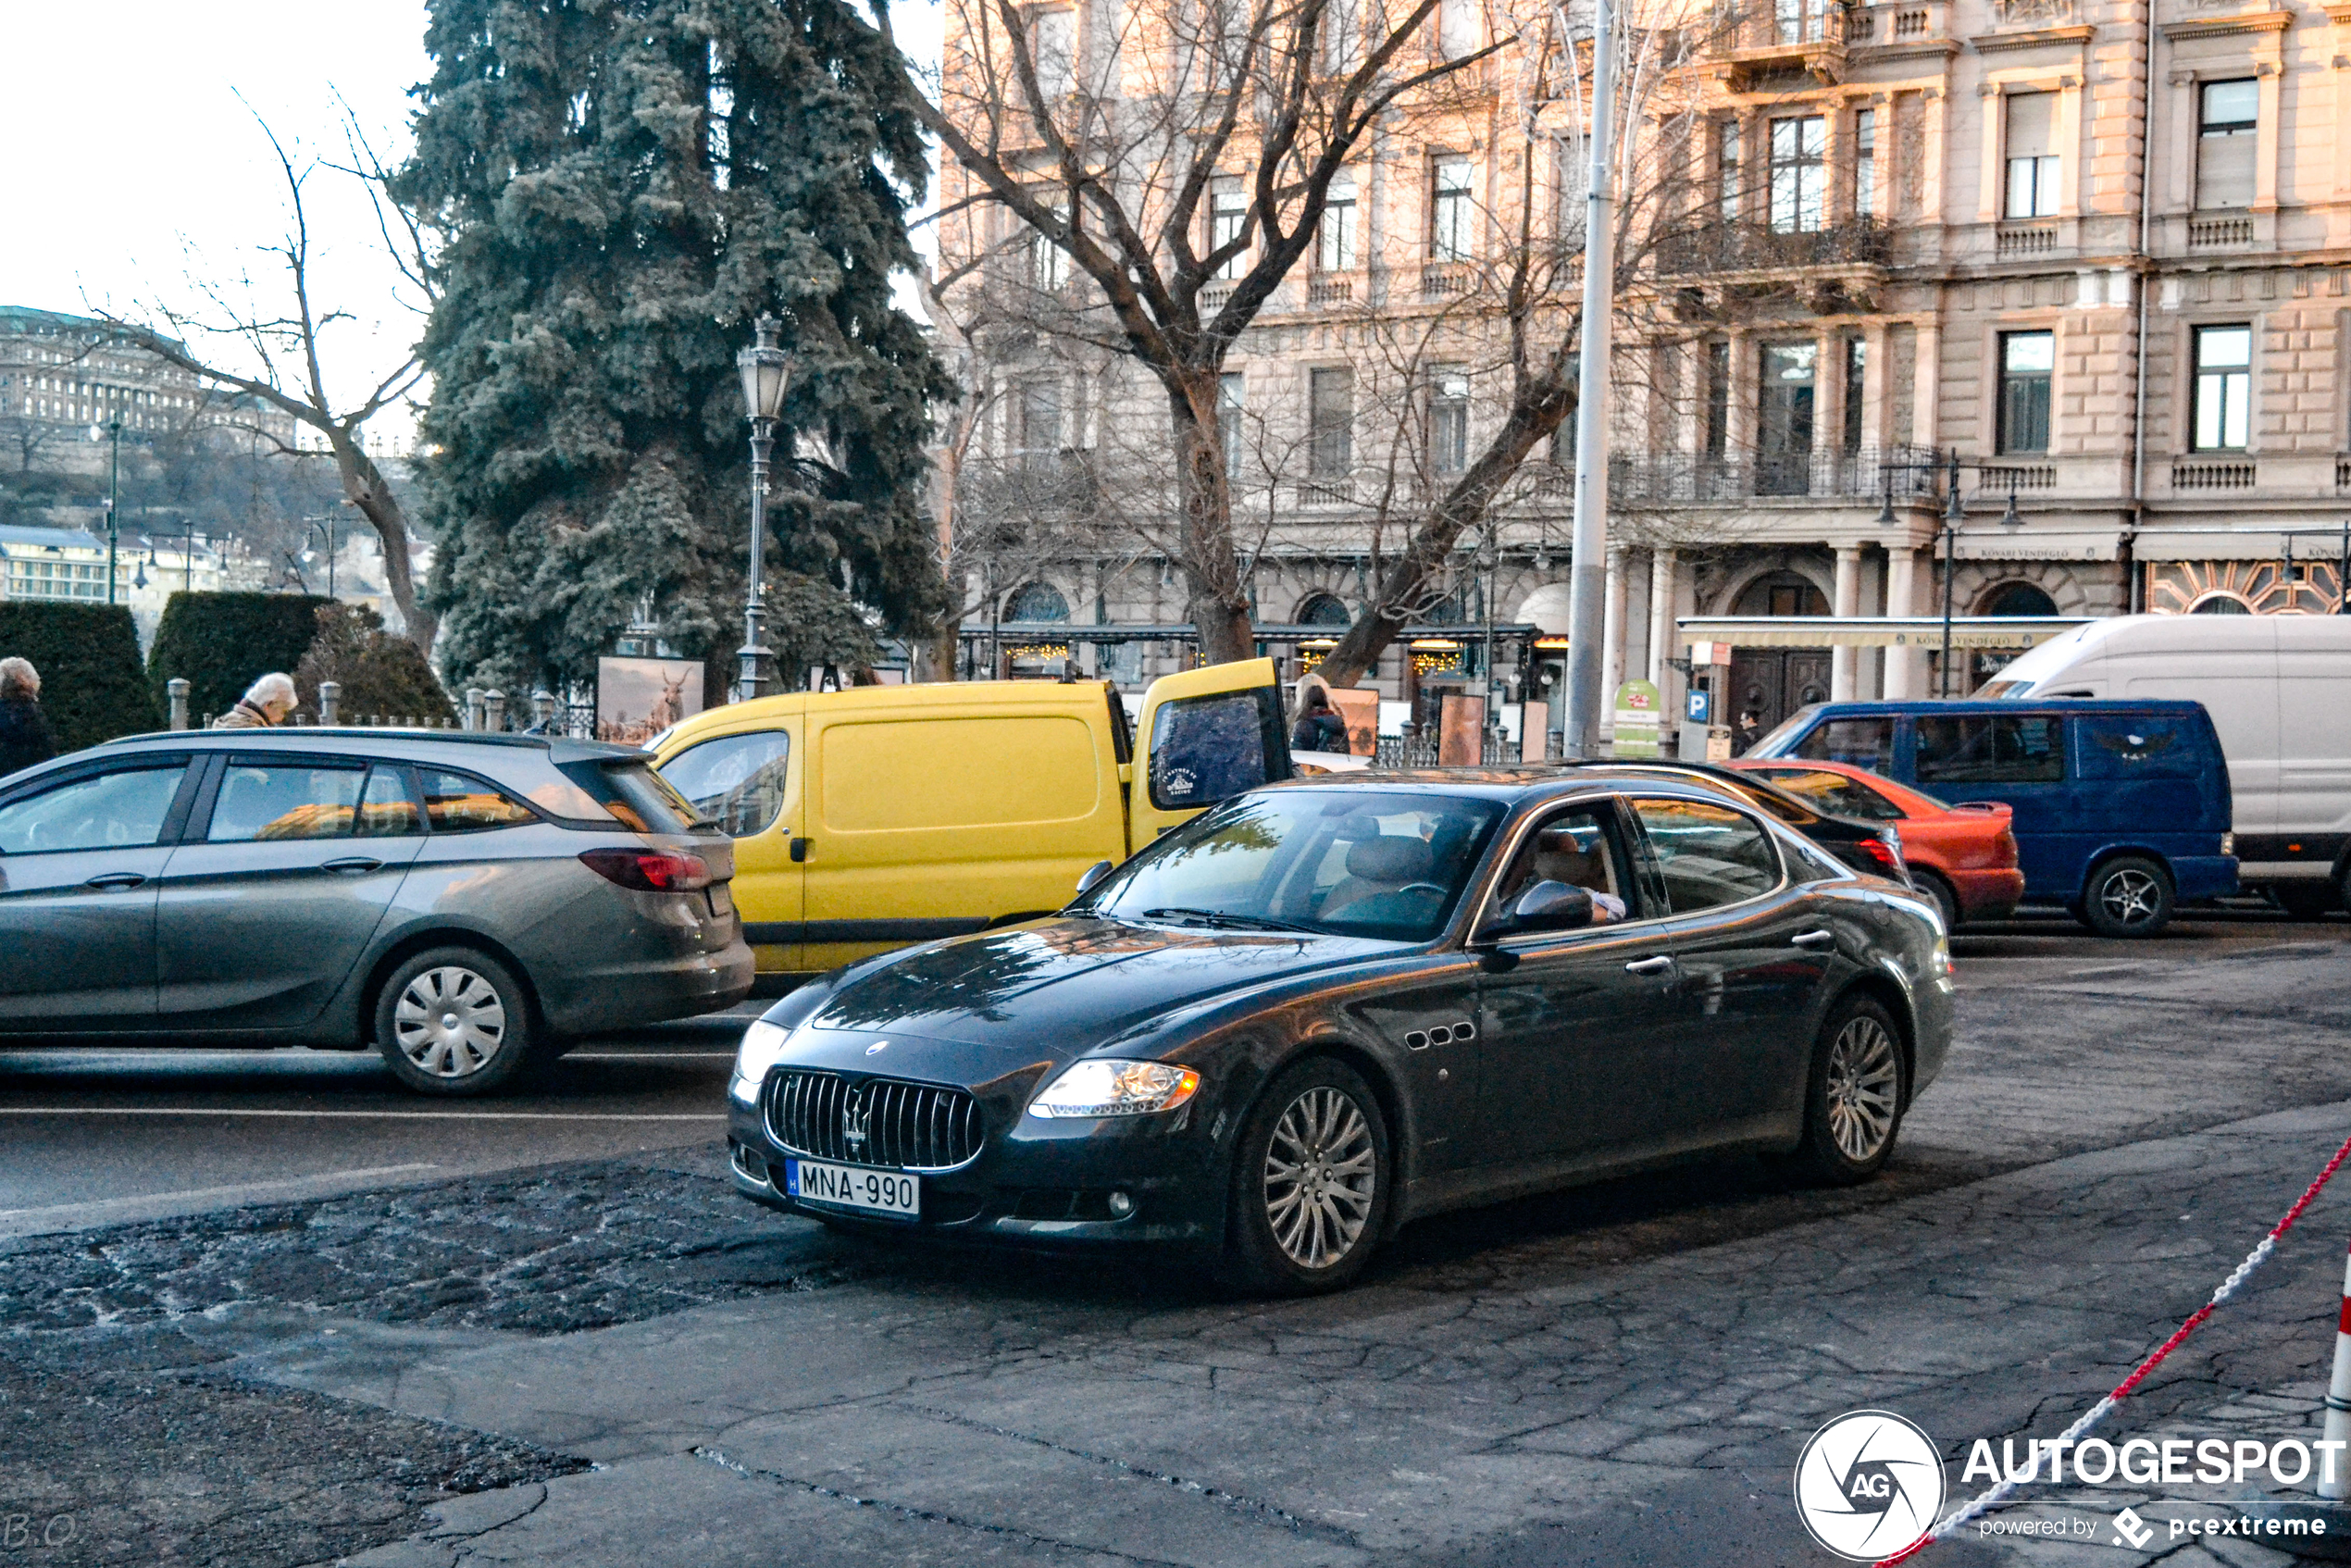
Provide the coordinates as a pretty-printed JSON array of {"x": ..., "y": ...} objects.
[
  {"x": 458, "y": 802},
  {"x": 2026, "y": 749},
  {"x": 639, "y": 798},
  {"x": 1834, "y": 793}
]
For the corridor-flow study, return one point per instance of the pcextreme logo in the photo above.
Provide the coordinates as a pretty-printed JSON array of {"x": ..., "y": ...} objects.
[{"x": 1868, "y": 1484}]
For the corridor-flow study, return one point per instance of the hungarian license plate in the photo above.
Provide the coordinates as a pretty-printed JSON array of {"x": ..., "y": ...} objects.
[
  {"x": 722, "y": 903},
  {"x": 852, "y": 1187}
]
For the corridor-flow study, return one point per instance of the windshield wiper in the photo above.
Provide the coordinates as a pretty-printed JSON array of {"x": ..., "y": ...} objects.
[{"x": 1219, "y": 917}]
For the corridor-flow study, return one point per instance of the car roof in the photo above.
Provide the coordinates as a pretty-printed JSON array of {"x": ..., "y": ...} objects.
[
  {"x": 1530, "y": 782},
  {"x": 448, "y": 745},
  {"x": 1929, "y": 706}
]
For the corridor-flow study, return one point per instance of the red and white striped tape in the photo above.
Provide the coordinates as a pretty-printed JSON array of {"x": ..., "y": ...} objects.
[{"x": 2338, "y": 1423}]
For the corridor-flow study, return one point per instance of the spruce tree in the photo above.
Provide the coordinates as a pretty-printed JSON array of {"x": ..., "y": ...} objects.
[{"x": 625, "y": 186}]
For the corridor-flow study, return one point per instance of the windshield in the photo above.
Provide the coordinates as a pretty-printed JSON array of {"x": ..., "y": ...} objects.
[
  {"x": 1773, "y": 744},
  {"x": 1361, "y": 863}
]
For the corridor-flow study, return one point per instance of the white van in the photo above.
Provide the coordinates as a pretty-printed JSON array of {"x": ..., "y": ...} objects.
[{"x": 2279, "y": 690}]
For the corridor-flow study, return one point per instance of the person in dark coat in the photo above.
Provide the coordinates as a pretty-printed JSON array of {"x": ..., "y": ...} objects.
[
  {"x": 1319, "y": 729},
  {"x": 25, "y": 736}
]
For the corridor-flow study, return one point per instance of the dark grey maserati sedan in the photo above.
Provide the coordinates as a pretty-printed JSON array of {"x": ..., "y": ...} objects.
[
  {"x": 462, "y": 903},
  {"x": 1327, "y": 1007}
]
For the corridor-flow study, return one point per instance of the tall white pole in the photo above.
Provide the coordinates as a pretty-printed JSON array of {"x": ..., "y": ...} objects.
[{"x": 1587, "y": 581}]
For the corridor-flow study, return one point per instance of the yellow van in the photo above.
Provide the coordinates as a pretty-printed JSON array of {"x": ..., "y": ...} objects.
[{"x": 870, "y": 818}]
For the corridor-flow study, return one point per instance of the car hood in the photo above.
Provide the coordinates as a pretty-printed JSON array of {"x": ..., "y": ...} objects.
[{"x": 1059, "y": 987}]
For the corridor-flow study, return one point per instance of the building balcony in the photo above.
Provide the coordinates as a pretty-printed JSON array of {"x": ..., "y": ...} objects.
[
  {"x": 1637, "y": 479},
  {"x": 2220, "y": 231},
  {"x": 1759, "y": 253},
  {"x": 1919, "y": 26},
  {"x": 1799, "y": 38}
]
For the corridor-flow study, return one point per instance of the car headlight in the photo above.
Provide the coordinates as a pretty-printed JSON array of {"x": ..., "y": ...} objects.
[
  {"x": 763, "y": 1045},
  {"x": 1942, "y": 960},
  {"x": 1116, "y": 1089}
]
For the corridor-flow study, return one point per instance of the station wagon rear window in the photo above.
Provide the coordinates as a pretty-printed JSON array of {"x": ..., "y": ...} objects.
[{"x": 640, "y": 798}]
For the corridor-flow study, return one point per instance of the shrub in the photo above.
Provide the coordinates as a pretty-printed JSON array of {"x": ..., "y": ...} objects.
[
  {"x": 88, "y": 656},
  {"x": 220, "y": 643},
  {"x": 381, "y": 676}
]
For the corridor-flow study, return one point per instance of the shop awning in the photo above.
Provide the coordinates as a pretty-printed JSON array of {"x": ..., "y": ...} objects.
[
  {"x": 2223, "y": 544},
  {"x": 1874, "y": 631},
  {"x": 1976, "y": 542}
]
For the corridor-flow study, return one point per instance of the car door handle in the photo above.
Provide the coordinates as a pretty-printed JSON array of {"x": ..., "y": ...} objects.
[
  {"x": 108, "y": 880},
  {"x": 352, "y": 862},
  {"x": 1813, "y": 938},
  {"x": 1656, "y": 965},
  {"x": 799, "y": 850}
]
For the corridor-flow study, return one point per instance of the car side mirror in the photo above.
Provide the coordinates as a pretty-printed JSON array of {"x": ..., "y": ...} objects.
[
  {"x": 1549, "y": 906},
  {"x": 1094, "y": 873}
]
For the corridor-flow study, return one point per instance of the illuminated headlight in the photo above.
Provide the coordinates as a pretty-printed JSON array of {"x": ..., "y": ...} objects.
[
  {"x": 1116, "y": 1089},
  {"x": 763, "y": 1044}
]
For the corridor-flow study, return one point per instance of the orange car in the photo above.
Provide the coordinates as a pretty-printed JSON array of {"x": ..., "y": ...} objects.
[{"x": 1964, "y": 855}]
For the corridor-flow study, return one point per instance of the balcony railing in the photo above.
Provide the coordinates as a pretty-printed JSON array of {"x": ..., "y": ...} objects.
[
  {"x": 1754, "y": 247},
  {"x": 1329, "y": 291},
  {"x": 2026, "y": 239},
  {"x": 1888, "y": 25},
  {"x": 2206, "y": 473},
  {"x": 1657, "y": 479},
  {"x": 1444, "y": 281},
  {"x": 1326, "y": 492},
  {"x": 2220, "y": 234}
]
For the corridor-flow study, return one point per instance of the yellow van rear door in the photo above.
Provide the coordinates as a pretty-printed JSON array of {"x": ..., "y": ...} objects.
[
  {"x": 1204, "y": 735},
  {"x": 748, "y": 780},
  {"x": 927, "y": 824}
]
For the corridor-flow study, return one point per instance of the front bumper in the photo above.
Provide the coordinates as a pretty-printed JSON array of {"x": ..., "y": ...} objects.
[{"x": 1035, "y": 1182}]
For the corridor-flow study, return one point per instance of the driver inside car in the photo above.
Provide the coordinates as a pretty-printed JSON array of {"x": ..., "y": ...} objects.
[{"x": 1577, "y": 855}]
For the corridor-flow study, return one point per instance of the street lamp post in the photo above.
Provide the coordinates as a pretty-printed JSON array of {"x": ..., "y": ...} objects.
[
  {"x": 326, "y": 527},
  {"x": 766, "y": 372},
  {"x": 114, "y": 498}
]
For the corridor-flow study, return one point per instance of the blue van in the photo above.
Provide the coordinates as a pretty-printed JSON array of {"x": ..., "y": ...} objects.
[{"x": 2121, "y": 808}]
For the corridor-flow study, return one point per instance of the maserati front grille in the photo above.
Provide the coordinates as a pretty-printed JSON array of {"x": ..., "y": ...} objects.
[{"x": 874, "y": 1121}]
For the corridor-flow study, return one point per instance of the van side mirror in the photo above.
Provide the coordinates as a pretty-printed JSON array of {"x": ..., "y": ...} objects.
[
  {"x": 1549, "y": 906},
  {"x": 1094, "y": 873}
]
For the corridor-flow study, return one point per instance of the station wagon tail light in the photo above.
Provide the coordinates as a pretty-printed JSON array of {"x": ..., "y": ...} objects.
[
  {"x": 650, "y": 871},
  {"x": 1116, "y": 1089},
  {"x": 1884, "y": 856}
]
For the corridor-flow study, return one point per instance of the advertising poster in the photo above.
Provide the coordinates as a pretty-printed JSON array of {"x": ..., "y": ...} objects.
[
  {"x": 1461, "y": 731},
  {"x": 1359, "y": 708},
  {"x": 637, "y": 699}
]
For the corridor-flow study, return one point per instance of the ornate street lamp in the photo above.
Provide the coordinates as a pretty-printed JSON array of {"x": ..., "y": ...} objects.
[{"x": 766, "y": 372}]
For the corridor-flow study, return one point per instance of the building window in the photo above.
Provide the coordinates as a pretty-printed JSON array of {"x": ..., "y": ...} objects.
[
  {"x": 1857, "y": 369},
  {"x": 1052, "y": 42},
  {"x": 1448, "y": 422},
  {"x": 1227, "y": 220},
  {"x": 1041, "y": 423},
  {"x": 2227, "y": 120},
  {"x": 1331, "y": 422},
  {"x": 1865, "y": 163},
  {"x": 2027, "y": 361},
  {"x": 1048, "y": 263},
  {"x": 1448, "y": 211},
  {"x": 1232, "y": 401},
  {"x": 1457, "y": 28},
  {"x": 2032, "y": 167},
  {"x": 1343, "y": 36},
  {"x": 1335, "y": 237},
  {"x": 1801, "y": 21},
  {"x": 1784, "y": 459},
  {"x": 1717, "y": 400},
  {"x": 1796, "y": 146},
  {"x": 1726, "y": 154},
  {"x": 2222, "y": 420}
]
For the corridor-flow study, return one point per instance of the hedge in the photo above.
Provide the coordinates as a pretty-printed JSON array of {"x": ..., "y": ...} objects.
[
  {"x": 220, "y": 643},
  {"x": 88, "y": 655},
  {"x": 382, "y": 676}
]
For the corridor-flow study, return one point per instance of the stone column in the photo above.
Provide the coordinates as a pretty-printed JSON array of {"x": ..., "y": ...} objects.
[
  {"x": 1662, "y": 566},
  {"x": 1845, "y": 603},
  {"x": 1612, "y": 635},
  {"x": 1902, "y": 674}
]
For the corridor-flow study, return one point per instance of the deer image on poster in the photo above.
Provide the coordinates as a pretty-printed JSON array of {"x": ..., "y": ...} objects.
[{"x": 637, "y": 698}]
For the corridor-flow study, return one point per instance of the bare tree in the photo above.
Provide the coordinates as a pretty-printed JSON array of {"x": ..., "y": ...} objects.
[
  {"x": 1179, "y": 154},
  {"x": 277, "y": 354}
]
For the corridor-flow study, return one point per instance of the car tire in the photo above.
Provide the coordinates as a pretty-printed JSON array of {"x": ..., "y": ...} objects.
[
  {"x": 1854, "y": 1096},
  {"x": 454, "y": 1021},
  {"x": 1945, "y": 898},
  {"x": 1311, "y": 1184},
  {"x": 2128, "y": 896},
  {"x": 2307, "y": 901}
]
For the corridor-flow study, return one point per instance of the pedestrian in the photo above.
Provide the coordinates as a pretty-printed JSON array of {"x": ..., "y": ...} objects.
[
  {"x": 1748, "y": 731},
  {"x": 266, "y": 703},
  {"x": 1319, "y": 727},
  {"x": 25, "y": 736}
]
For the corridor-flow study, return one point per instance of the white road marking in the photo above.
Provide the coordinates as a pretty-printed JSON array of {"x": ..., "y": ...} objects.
[
  {"x": 391, "y": 1115},
  {"x": 368, "y": 1174},
  {"x": 649, "y": 1056}
]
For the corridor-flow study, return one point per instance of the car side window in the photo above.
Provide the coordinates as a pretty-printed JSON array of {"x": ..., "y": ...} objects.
[
  {"x": 1858, "y": 743},
  {"x": 1710, "y": 855},
  {"x": 737, "y": 780},
  {"x": 1583, "y": 849},
  {"x": 268, "y": 800},
  {"x": 386, "y": 809},
  {"x": 1986, "y": 748},
  {"x": 1835, "y": 793},
  {"x": 455, "y": 802},
  {"x": 123, "y": 809},
  {"x": 1208, "y": 748}
]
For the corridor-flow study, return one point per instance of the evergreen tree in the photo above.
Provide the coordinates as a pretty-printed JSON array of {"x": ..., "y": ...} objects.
[{"x": 625, "y": 186}]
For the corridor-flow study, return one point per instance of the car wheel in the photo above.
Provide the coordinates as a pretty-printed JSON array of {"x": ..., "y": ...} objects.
[
  {"x": 2307, "y": 901},
  {"x": 2128, "y": 896},
  {"x": 1854, "y": 1099},
  {"x": 1945, "y": 898},
  {"x": 453, "y": 1021},
  {"x": 1309, "y": 1186}
]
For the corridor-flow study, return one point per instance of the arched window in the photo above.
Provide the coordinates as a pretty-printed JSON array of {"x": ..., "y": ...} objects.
[
  {"x": 1322, "y": 609},
  {"x": 2219, "y": 605},
  {"x": 2017, "y": 598},
  {"x": 1037, "y": 602}
]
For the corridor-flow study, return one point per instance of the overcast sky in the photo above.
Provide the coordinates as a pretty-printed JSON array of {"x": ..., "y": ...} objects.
[{"x": 133, "y": 167}]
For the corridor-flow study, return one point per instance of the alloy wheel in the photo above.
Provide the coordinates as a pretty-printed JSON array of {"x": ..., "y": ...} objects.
[
  {"x": 450, "y": 1022},
  {"x": 1321, "y": 1176},
  {"x": 1864, "y": 1076},
  {"x": 2129, "y": 896}
]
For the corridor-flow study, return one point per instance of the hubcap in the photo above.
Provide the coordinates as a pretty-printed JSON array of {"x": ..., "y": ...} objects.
[
  {"x": 1322, "y": 1174},
  {"x": 1863, "y": 1077},
  {"x": 449, "y": 1022},
  {"x": 2131, "y": 896}
]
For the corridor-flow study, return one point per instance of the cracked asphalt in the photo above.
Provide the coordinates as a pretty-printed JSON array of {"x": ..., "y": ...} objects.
[{"x": 613, "y": 1361}]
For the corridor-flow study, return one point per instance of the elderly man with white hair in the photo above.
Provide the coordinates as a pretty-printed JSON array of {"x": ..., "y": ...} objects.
[{"x": 265, "y": 704}]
